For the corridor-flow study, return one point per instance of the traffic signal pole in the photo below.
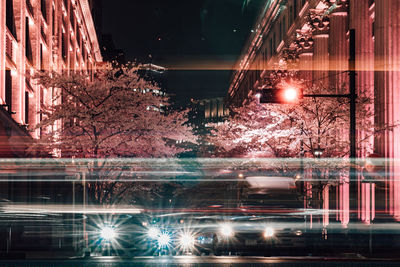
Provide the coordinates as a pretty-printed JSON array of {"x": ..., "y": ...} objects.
[
  {"x": 275, "y": 96},
  {"x": 353, "y": 95}
]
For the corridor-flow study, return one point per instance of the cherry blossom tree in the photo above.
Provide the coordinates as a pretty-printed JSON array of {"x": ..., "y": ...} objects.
[
  {"x": 117, "y": 114},
  {"x": 279, "y": 130},
  {"x": 296, "y": 130}
]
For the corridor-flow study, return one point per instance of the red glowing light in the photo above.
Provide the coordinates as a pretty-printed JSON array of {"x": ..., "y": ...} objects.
[{"x": 291, "y": 94}]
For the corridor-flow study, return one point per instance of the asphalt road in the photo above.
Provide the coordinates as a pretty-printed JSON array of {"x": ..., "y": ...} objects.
[{"x": 203, "y": 261}]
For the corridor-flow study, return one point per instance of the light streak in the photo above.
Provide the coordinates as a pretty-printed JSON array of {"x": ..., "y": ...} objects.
[{"x": 66, "y": 209}]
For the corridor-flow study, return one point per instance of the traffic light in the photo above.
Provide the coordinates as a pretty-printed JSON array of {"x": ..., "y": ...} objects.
[{"x": 287, "y": 95}]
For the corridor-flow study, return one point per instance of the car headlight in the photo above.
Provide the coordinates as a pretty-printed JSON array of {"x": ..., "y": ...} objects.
[
  {"x": 187, "y": 241},
  {"x": 153, "y": 232},
  {"x": 269, "y": 232},
  {"x": 227, "y": 230},
  {"x": 108, "y": 233},
  {"x": 164, "y": 239}
]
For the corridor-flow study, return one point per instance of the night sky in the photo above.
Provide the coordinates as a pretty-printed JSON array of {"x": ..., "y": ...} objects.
[{"x": 197, "y": 40}]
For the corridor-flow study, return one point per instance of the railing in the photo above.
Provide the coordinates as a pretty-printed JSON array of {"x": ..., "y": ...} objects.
[
  {"x": 29, "y": 7},
  {"x": 11, "y": 46}
]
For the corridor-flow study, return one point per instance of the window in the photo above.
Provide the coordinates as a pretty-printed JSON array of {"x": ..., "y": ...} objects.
[
  {"x": 270, "y": 48},
  {"x": 273, "y": 44},
  {"x": 10, "y": 21},
  {"x": 66, "y": 4},
  {"x": 283, "y": 28},
  {"x": 41, "y": 58},
  {"x": 84, "y": 53},
  {"x": 64, "y": 45},
  {"x": 28, "y": 47},
  {"x": 71, "y": 61},
  {"x": 43, "y": 7},
  {"x": 78, "y": 37},
  {"x": 41, "y": 100},
  {"x": 54, "y": 21},
  {"x": 291, "y": 17},
  {"x": 26, "y": 107},
  {"x": 8, "y": 89},
  {"x": 371, "y": 2},
  {"x": 72, "y": 19},
  {"x": 373, "y": 29}
]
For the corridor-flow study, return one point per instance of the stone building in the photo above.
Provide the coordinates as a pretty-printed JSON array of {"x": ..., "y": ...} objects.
[
  {"x": 314, "y": 35},
  {"x": 38, "y": 35}
]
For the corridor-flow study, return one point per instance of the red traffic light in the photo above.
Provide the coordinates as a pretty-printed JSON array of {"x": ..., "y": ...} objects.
[
  {"x": 291, "y": 94},
  {"x": 287, "y": 95}
]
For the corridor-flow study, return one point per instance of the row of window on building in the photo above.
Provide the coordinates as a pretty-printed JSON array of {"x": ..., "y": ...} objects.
[{"x": 42, "y": 35}]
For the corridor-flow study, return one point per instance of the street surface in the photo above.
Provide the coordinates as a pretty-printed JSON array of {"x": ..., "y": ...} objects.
[{"x": 205, "y": 261}]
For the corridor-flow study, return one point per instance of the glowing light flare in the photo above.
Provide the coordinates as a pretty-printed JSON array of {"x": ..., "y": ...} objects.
[
  {"x": 187, "y": 241},
  {"x": 153, "y": 232},
  {"x": 227, "y": 230},
  {"x": 108, "y": 233},
  {"x": 298, "y": 232},
  {"x": 164, "y": 239},
  {"x": 269, "y": 232},
  {"x": 291, "y": 94}
]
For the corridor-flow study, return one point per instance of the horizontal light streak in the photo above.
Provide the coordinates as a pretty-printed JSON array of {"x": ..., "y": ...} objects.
[
  {"x": 66, "y": 209},
  {"x": 176, "y": 166},
  {"x": 178, "y": 160}
]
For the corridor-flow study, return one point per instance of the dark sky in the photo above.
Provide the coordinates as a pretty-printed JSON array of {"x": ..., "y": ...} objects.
[{"x": 194, "y": 39}]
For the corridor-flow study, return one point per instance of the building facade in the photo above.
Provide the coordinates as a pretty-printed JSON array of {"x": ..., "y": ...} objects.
[
  {"x": 211, "y": 109},
  {"x": 313, "y": 36},
  {"x": 39, "y": 35}
]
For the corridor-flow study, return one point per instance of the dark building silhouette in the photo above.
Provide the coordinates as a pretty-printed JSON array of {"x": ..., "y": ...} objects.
[
  {"x": 154, "y": 73},
  {"x": 107, "y": 46},
  {"x": 109, "y": 51},
  {"x": 96, "y": 7}
]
